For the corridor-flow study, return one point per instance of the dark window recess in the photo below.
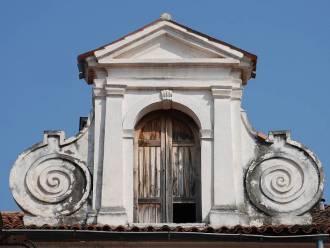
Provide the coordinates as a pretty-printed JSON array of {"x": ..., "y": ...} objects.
[
  {"x": 82, "y": 122},
  {"x": 184, "y": 213}
]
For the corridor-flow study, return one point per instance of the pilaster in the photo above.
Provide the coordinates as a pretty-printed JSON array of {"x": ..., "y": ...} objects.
[
  {"x": 236, "y": 97},
  {"x": 99, "y": 110},
  {"x": 128, "y": 144},
  {"x": 224, "y": 210},
  {"x": 206, "y": 137},
  {"x": 112, "y": 209}
]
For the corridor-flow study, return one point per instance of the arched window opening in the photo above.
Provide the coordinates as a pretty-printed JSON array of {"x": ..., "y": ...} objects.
[{"x": 167, "y": 169}]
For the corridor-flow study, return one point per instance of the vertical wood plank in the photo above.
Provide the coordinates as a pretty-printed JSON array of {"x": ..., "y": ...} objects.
[
  {"x": 158, "y": 171},
  {"x": 192, "y": 175},
  {"x": 180, "y": 172},
  {"x": 169, "y": 191},
  {"x": 163, "y": 170},
  {"x": 141, "y": 172},
  {"x": 136, "y": 177},
  {"x": 149, "y": 213},
  {"x": 174, "y": 171},
  {"x": 153, "y": 171}
]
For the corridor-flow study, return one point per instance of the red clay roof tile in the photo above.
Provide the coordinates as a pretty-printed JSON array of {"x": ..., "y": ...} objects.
[{"x": 321, "y": 224}]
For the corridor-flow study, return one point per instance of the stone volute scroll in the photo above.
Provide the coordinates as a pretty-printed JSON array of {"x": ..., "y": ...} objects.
[
  {"x": 50, "y": 183},
  {"x": 286, "y": 179}
]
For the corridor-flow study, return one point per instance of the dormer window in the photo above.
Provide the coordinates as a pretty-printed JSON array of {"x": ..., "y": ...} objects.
[
  {"x": 167, "y": 142},
  {"x": 167, "y": 169}
]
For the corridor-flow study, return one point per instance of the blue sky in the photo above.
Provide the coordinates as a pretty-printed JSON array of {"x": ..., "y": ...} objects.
[{"x": 40, "y": 40}]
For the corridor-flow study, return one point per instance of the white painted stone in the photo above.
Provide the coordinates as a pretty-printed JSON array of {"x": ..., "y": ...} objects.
[
  {"x": 51, "y": 179},
  {"x": 245, "y": 179},
  {"x": 284, "y": 180},
  {"x": 166, "y": 17},
  {"x": 224, "y": 198}
]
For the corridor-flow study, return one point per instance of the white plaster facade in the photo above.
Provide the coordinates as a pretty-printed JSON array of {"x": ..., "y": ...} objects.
[{"x": 245, "y": 179}]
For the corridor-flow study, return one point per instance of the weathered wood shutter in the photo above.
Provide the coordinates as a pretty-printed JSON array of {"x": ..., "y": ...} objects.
[
  {"x": 166, "y": 166},
  {"x": 148, "y": 172},
  {"x": 183, "y": 164}
]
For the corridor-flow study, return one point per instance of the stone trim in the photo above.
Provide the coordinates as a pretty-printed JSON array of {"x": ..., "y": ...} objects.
[
  {"x": 128, "y": 133},
  {"x": 225, "y": 92},
  {"x": 166, "y": 95},
  {"x": 236, "y": 94},
  {"x": 206, "y": 134},
  {"x": 101, "y": 89},
  {"x": 98, "y": 93},
  {"x": 114, "y": 90},
  {"x": 221, "y": 92}
]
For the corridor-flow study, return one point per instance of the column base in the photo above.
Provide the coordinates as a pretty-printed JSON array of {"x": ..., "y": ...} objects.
[
  {"x": 112, "y": 216},
  {"x": 91, "y": 217},
  {"x": 227, "y": 217}
]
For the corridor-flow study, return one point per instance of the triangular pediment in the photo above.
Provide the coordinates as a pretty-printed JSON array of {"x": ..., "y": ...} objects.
[
  {"x": 167, "y": 46},
  {"x": 165, "y": 40}
]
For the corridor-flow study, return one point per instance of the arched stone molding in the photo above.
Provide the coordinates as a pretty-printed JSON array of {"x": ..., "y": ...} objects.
[
  {"x": 152, "y": 102},
  {"x": 200, "y": 110}
]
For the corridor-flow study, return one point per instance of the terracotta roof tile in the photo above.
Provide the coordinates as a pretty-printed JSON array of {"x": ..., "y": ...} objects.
[
  {"x": 12, "y": 220},
  {"x": 321, "y": 224}
]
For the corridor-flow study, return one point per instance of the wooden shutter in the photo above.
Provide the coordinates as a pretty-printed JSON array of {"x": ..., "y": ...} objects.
[
  {"x": 166, "y": 166},
  {"x": 148, "y": 172},
  {"x": 184, "y": 168}
]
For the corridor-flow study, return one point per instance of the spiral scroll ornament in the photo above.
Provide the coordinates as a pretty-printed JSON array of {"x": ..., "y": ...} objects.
[
  {"x": 283, "y": 182},
  {"x": 52, "y": 180},
  {"x": 282, "y": 185},
  {"x": 56, "y": 185}
]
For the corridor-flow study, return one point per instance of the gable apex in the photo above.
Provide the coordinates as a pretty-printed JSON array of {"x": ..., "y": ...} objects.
[{"x": 157, "y": 37}]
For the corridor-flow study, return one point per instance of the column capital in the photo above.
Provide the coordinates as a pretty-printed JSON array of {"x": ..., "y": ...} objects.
[
  {"x": 98, "y": 88},
  {"x": 237, "y": 93},
  {"x": 225, "y": 92},
  {"x": 108, "y": 90},
  {"x": 114, "y": 90},
  {"x": 128, "y": 133},
  {"x": 221, "y": 92},
  {"x": 98, "y": 92},
  {"x": 206, "y": 134}
]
